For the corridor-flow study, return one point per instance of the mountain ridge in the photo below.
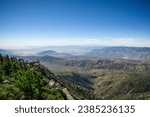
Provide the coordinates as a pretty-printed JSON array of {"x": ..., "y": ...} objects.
[{"x": 131, "y": 53}]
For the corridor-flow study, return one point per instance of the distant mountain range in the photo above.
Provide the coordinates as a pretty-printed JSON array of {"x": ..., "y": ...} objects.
[
  {"x": 111, "y": 53},
  {"x": 131, "y": 53},
  {"x": 4, "y": 52}
]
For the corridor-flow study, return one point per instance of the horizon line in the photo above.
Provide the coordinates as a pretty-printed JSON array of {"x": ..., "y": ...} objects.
[{"x": 24, "y": 43}]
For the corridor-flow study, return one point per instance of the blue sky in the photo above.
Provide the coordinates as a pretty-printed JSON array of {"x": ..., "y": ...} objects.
[{"x": 74, "y": 22}]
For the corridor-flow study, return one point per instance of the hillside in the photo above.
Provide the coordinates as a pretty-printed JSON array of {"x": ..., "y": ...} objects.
[
  {"x": 24, "y": 80},
  {"x": 105, "y": 79},
  {"x": 54, "y": 54},
  {"x": 120, "y": 84}
]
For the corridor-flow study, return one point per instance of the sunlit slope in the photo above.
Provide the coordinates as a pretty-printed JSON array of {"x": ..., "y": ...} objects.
[{"x": 122, "y": 85}]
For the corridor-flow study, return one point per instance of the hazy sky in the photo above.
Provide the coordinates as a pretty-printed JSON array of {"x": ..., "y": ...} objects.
[{"x": 74, "y": 22}]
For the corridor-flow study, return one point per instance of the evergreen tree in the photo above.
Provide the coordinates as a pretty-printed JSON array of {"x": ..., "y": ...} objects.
[{"x": 20, "y": 80}]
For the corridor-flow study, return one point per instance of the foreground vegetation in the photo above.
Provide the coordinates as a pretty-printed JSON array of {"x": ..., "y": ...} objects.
[{"x": 26, "y": 80}]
